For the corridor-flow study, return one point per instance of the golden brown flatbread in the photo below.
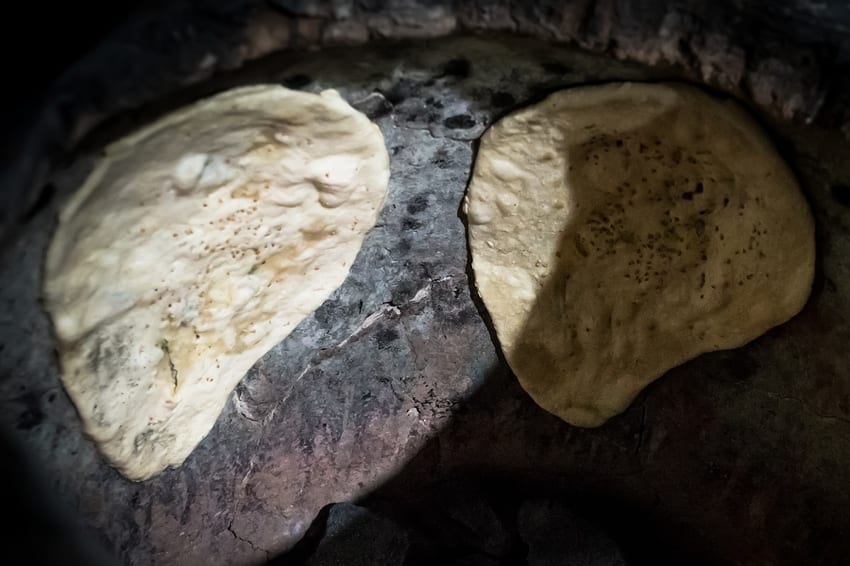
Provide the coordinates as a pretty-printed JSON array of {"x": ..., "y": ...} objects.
[{"x": 620, "y": 230}]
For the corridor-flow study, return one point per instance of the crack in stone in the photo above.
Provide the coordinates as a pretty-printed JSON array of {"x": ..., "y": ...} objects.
[
  {"x": 413, "y": 349},
  {"x": 247, "y": 541},
  {"x": 387, "y": 309}
]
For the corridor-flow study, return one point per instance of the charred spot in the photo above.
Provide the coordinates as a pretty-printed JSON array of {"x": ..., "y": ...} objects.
[
  {"x": 386, "y": 336},
  {"x": 418, "y": 204},
  {"x": 459, "y": 122},
  {"x": 841, "y": 193},
  {"x": 458, "y": 68},
  {"x": 687, "y": 195},
  {"x": 375, "y": 107},
  {"x": 462, "y": 316},
  {"x": 329, "y": 312},
  {"x": 431, "y": 101},
  {"x": 699, "y": 188},
  {"x": 441, "y": 158},
  {"x": 410, "y": 223},
  {"x": 500, "y": 99},
  {"x": 397, "y": 93},
  {"x": 32, "y": 415},
  {"x": 297, "y": 81}
]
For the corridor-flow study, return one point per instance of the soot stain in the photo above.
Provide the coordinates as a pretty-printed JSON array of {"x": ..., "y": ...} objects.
[
  {"x": 431, "y": 101},
  {"x": 297, "y": 81},
  {"x": 375, "y": 107},
  {"x": 386, "y": 336},
  {"x": 403, "y": 89},
  {"x": 458, "y": 68},
  {"x": 32, "y": 414},
  {"x": 410, "y": 223},
  {"x": 441, "y": 158},
  {"x": 418, "y": 204},
  {"x": 327, "y": 313},
  {"x": 459, "y": 122}
]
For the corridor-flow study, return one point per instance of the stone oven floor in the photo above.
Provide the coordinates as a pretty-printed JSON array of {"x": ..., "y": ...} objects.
[{"x": 393, "y": 394}]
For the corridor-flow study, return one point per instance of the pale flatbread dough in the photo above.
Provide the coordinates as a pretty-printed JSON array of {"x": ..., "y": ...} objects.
[
  {"x": 620, "y": 230},
  {"x": 196, "y": 245}
]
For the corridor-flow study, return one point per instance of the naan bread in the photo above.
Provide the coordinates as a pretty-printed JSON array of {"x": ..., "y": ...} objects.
[
  {"x": 618, "y": 231},
  {"x": 194, "y": 247}
]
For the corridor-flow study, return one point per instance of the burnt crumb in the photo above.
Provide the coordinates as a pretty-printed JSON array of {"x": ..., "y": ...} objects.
[
  {"x": 297, "y": 81},
  {"x": 501, "y": 99},
  {"x": 396, "y": 149},
  {"x": 459, "y": 122},
  {"x": 688, "y": 195},
  {"x": 699, "y": 188},
  {"x": 459, "y": 68},
  {"x": 386, "y": 336},
  {"x": 618, "y": 143},
  {"x": 725, "y": 201},
  {"x": 32, "y": 414},
  {"x": 410, "y": 223},
  {"x": 555, "y": 68},
  {"x": 418, "y": 204},
  {"x": 841, "y": 193}
]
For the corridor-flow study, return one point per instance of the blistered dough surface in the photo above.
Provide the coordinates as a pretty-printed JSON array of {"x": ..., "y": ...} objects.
[
  {"x": 196, "y": 245},
  {"x": 618, "y": 231}
]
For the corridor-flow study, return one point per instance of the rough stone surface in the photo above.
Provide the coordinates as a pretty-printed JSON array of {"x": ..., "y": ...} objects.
[
  {"x": 738, "y": 457},
  {"x": 789, "y": 57}
]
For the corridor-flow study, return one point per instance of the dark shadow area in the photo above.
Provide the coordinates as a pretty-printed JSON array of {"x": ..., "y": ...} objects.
[
  {"x": 38, "y": 529},
  {"x": 491, "y": 489}
]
